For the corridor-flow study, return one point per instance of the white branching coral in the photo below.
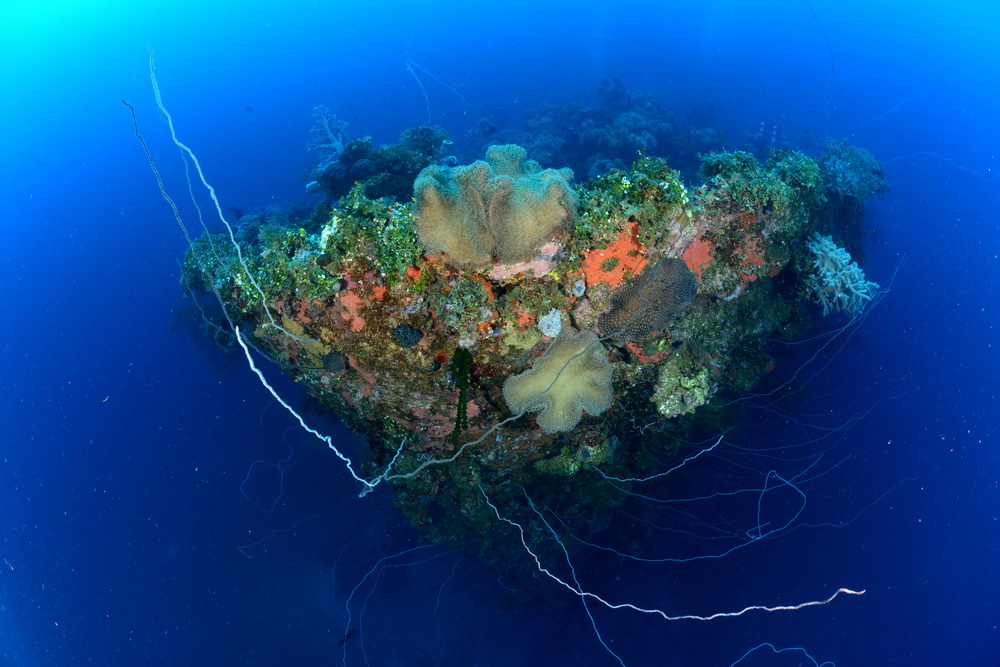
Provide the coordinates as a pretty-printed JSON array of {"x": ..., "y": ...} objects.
[
  {"x": 328, "y": 136},
  {"x": 836, "y": 281}
]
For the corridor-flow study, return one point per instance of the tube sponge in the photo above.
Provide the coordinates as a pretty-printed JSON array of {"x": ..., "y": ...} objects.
[
  {"x": 573, "y": 375},
  {"x": 501, "y": 209}
]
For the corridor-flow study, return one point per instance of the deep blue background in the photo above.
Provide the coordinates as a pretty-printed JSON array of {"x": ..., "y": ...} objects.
[{"x": 124, "y": 440}]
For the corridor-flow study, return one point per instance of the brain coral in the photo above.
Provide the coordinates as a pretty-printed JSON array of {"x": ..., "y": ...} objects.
[
  {"x": 573, "y": 375},
  {"x": 501, "y": 209},
  {"x": 649, "y": 302}
]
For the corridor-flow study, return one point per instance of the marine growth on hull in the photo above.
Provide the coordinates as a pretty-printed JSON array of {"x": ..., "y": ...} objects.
[{"x": 547, "y": 314}]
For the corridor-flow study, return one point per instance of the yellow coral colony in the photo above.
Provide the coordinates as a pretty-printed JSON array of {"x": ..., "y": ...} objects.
[
  {"x": 501, "y": 210},
  {"x": 573, "y": 375}
]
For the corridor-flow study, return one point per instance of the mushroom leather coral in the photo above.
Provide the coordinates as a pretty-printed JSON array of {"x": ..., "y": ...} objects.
[
  {"x": 502, "y": 209},
  {"x": 573, "y": 375}
]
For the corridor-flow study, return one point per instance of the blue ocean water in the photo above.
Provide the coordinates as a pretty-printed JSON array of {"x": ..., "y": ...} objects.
[{"x": 160, "y": 508}]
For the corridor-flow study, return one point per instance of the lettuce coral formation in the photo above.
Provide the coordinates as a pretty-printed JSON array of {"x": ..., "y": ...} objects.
[
  {"x": 574, "y": 375},
  {"x": 835, "y": 281},
  {"x": 501, "y": 209}
]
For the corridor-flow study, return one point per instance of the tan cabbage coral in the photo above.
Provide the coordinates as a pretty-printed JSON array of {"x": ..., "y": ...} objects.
[
  {"x": 500, "y": 210},
  {"x": 650, "y": 301},
  {"x": 573, "y": 375}
]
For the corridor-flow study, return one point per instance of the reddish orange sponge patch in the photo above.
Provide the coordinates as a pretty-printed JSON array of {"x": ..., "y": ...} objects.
[
  {"x": 351, "y": 304},
  {"x": 300, "y": 311},
  {"x": 487, "y": 286},
  {"x": 414, "y": 272},
  {"x": 625, "y": 254},
  {"x": 644, "y": 358},
  {"x": 748, "y": 219},
  {"x": 368, "y": 379},
  {"x": 755, "y": 257},
  {"x": 698, "y": 255}
]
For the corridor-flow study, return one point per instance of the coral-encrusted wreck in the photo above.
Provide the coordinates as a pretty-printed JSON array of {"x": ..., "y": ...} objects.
[{"x": 514, "y": 332}]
